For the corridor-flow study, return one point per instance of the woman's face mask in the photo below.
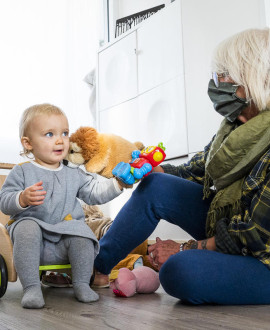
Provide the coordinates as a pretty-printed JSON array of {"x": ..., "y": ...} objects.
[{"x": 225, "y": 100}]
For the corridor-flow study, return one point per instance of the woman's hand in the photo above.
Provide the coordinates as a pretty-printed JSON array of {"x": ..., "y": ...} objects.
[
  {"x": 160, "y": 252},
  {"x": 33, "y": 195},
  {"x": 158, "y": 169}
]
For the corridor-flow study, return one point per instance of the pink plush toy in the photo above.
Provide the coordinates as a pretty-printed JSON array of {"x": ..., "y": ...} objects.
[{"x": 125, "y": 283}]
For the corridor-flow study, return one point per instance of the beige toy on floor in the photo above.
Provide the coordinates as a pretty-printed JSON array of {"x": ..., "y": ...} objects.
[
  {"x": 96, "y": 220},
  {"x": 100, "y": 152}
]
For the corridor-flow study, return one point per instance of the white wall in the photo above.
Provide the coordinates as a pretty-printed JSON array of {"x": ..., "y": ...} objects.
[
  {"x": 267, "y": 12},
  {"x": 205, "y": 24},
  {"x": 47, "y": 48}
]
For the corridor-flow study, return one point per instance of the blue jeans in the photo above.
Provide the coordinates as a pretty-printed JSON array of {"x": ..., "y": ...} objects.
[{"x": 194, "y": 276}]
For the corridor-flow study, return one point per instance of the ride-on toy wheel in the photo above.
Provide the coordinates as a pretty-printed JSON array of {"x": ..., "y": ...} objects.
[{"x": 3, "y": 276}]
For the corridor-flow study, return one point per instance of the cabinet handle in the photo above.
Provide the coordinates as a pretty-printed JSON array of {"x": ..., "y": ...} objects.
[{"x": 135, "y": 50}]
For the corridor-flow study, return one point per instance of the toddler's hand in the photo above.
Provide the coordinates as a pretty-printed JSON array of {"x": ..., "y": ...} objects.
[
  {"x": 33, "y": 195},
  {"x": 122, "y": 172}
]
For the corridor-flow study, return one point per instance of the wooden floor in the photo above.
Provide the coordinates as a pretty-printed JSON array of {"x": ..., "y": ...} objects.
[{"x": 143, "y": 312}]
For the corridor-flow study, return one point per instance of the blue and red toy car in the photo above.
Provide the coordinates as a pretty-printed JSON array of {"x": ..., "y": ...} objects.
[{"x": 141, "y": 165}]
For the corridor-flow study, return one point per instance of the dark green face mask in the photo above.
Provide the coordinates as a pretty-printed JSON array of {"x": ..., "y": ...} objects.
[{"x": 225, "y": 101}]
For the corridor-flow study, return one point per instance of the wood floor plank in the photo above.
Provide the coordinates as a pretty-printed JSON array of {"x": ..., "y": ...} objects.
[{"x": 143, "y": 312}]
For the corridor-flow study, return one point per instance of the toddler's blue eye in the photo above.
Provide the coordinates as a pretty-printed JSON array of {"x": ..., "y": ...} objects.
[
  {"x": 65, "y": 134},
  {"x": 49, "y": 134}
]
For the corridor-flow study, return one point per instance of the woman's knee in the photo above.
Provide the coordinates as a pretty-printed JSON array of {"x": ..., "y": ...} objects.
[
  {"x": 179, "y": 278},
  {"x": 148, "y": 185}
]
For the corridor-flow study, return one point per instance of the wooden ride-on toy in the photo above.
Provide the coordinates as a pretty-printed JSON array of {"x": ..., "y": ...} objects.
[{"x": 7, "y": 269}]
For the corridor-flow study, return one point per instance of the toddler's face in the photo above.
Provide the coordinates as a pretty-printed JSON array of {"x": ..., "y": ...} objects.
[{"x": 49, "y": 140}]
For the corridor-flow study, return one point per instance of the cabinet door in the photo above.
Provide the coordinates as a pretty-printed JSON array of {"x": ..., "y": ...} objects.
[
  {"x": 162, "y": 117},
  {"x": 121, "y": 120},
  {"x": 155, "y": 116},
  {"x": 117, "y": 72},
  {"x": 160, "y": 54}
]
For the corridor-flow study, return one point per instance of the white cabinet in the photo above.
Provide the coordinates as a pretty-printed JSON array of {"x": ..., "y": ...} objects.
[
  {"x": 163, "y": 117},
  {"x": 156, "y": 116},
  {"x": 141, "y": 89},
  {"x": 117, "y": 68},
  {"x": 171, "y": 48},
  {"x": 160, "y": 48},
  {"x": 121, "y": 120}
]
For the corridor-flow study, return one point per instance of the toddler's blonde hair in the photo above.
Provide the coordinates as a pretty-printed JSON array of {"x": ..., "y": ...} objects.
[{"x": 30, "y": 113}]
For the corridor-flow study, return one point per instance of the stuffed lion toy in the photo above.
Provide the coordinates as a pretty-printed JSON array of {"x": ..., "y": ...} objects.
[{"x": 99, "y": 152}]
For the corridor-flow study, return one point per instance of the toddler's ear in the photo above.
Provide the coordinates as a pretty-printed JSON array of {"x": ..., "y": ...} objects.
[{"x": 26, "y": 143}]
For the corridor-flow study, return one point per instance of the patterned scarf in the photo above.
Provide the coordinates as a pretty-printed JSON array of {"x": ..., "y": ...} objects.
[{"x": 233, "y": 153}]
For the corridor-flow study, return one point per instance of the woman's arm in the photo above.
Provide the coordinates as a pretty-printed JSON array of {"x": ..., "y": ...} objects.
[
  {"x": 158, "y": 169},
  {"x": 206, "y": 244},
  {"x": 193, "y": 170}
]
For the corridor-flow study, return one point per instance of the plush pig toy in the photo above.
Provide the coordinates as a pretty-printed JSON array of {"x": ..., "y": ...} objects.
[{"x": 125, "y": 283}]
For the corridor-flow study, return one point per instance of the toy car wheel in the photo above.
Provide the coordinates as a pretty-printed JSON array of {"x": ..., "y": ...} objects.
[{"x": 3, "y": 276}]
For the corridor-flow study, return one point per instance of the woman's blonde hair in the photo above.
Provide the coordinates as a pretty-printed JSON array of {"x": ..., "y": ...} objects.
[
  {"x": 246, "y": 57},
  {"x": 30, "y": 113}
]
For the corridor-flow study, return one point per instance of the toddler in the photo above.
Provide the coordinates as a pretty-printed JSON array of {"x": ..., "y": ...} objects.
[{"x": 47, "y": 221}]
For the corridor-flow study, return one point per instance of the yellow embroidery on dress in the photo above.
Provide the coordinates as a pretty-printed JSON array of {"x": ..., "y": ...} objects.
[
  {"x": 68, "y": 217},
  {"x": 20, "y": 164}
]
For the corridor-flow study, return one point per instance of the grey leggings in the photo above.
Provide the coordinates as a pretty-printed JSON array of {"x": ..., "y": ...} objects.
[{"x": 31, "y": 250}]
